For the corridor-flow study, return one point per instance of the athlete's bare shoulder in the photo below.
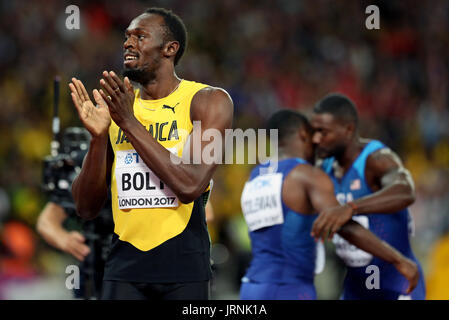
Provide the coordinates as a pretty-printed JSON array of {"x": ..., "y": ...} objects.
[
  {"x": 212, "y": 95},
  {"x": 311, "y": 187},
  {"x": 308, "y": 176},
  {"x": 383, "y": 167},
  {"x": 294, "y": 193},
  {"x": 212, "y": 102},
  {"x": 384, "y": 157},
  {"x": 213, "y": 90}
]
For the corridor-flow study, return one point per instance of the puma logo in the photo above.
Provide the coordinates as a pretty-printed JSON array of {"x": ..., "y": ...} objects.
[{"x": 171, "y": 108}]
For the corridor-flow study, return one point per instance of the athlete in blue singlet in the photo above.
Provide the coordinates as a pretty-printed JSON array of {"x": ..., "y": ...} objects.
[
  {"x": 373, "y": 189},
  {"x": 279, "y": 203}
]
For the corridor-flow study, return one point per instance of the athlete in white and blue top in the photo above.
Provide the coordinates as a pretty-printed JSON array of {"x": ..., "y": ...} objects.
[
  {"x": 373, "y": 189},
  {"x": 279, "y": 203}
]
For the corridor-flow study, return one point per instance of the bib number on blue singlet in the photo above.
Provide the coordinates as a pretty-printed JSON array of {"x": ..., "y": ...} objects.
[
  {"x": 261, "y": 201},
  {"x": 350, "y": 254}
]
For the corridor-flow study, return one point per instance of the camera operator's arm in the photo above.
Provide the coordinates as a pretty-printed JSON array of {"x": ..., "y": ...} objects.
[
  {"x": 49, "y": 226},
  {"x": 90, "y": 188}
]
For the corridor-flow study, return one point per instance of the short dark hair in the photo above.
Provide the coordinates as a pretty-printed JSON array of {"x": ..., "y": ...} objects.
[
  {"x": 176, "y": 30},
  {"x": 339, "y": 106},
  {"x": 287, "y": 122}
]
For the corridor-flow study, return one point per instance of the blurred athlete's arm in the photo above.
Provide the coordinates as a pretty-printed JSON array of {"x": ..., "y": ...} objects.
[
  {"x": 49, "y": 226},
  {"x": 367, "y": 241},
  {"x": 213, "y": 107},
  {"x": 321, "y": 194},
  {"x": 393, "y": 190},
  {"x": 89, "y": 189}
]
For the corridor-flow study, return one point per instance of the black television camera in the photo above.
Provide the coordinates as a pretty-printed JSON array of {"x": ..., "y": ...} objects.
[
  {"x": 59, "y": 171},
  {"x": 61, "y": 168}
]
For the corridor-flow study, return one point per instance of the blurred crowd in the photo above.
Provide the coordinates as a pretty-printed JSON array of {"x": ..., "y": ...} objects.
[{"x": 267, "y": 55}]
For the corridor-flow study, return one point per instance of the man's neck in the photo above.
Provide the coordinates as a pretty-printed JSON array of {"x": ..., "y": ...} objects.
[
  {"x": 161, "y": 86},
  {"x": 348, "y": 156},
  {"x": 286, "y": 153}
]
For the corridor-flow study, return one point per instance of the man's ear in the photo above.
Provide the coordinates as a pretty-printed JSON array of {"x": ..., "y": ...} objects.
[
  {"x": 350, "y": 129},
  {"x": 304, "y": 135},
  {"x": 171, "y": 48}
]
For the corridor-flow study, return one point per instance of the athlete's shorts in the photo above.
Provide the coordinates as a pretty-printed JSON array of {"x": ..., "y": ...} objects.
[
  {"x": 273, "y": 291},
  {"x": 119, "y": 290}
]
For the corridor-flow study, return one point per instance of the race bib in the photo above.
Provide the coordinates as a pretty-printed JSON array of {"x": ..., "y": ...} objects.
[
  {"x": 138, "y": 186},
  {"x": 261, "y": 201},
  {"x": 350, "y": 254}
]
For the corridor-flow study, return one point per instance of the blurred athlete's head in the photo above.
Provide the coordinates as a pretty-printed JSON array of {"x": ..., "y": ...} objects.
[
  {"x": 154, "y": 42},
  {"x": 335, "y": 124},
  {"x": 294, "y": 133}
]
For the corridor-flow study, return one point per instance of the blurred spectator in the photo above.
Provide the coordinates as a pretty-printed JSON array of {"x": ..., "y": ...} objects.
[{"x": 16, "y": 259}]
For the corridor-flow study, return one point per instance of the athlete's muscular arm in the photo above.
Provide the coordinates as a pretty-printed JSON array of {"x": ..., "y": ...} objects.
[
  {"x": 393, "y": 191},
  {"x": 89, "y": 189},
  {"x": 321, "y": 194},
  {"x": 212, "y": 106},
  {"x": 392, "y": 184}
]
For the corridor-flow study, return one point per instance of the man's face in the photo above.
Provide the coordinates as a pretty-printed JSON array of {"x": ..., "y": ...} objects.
[
  {"x": 144, "y": 41},
  {"x": 330, "y": 136}
]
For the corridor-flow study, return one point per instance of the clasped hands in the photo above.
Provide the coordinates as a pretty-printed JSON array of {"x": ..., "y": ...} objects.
[{"x": 114, "y": 101}]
